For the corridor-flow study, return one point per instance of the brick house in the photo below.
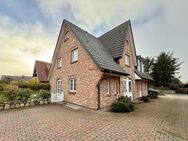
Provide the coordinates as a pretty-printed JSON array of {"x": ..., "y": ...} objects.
[
  {"x": 40, "y": 71},
  {"x": 93, "y": 72}
]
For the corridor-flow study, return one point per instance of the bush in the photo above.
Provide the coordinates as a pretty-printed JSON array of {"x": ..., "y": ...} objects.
[
  {"x": 24, "y": 95},
  {"x": 10, "y": 92},
  {"x": 145, "y": 99},
  {"x": 118, "y": 106},
  {"x": 153, "y": 95},
  {"x": 123, "y": 104},
  {"x": 2, "y": 85},
  {"x": 44, "y": 94},
  {"x": 124, "y": 99},
  {"x": 39, "y": 86}
]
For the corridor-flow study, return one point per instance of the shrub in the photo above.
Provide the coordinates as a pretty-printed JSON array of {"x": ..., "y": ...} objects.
[
  {"x": 153, "y": 95},
  {"x": 2, "y": 85},
  {"x": 132, "y": 106},
  {"x": 124, "y": 99},
  {"x": 39, "y": 86},
  {"x": 123, "y": 104},
  {"x": 118, "y": 106},
  {"x": 44, "y": 94},
  {"x": 145, "y": 99},
  {"x": 10, "y": 92},
  {"x": 24, "y": 95}
]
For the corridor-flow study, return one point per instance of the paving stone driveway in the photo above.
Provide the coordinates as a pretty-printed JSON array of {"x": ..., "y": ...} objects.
[{"x": 163, "y": 119}]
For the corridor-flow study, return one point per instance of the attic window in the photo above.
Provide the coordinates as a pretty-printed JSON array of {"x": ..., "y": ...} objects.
[
  {"x": 59, "y": 62},
  {"x": 127, "y": 60},
  {"x": 66, "y": 36}
]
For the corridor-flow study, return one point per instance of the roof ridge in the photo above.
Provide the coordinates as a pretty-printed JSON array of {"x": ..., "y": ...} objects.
[
  {"x": 42, "y": 61},
  {"x": 114, "y": 28},
  {"x": 89, "y": 34}
]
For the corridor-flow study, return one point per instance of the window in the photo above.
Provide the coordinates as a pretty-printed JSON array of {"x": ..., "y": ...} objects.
[
  {"x": 66, "y": 37},
  {"x": 59, "y": 62},
  {"x": 115, "y": 88},
  {"x": 130, "y": 86},
  {"x": 74, "y": 55},
  {"x": 59, "y": 86},
  {"x": 127, "y": 60},
  {"x": 72, "y": 85},
  {"x": 108, "y": 87}
]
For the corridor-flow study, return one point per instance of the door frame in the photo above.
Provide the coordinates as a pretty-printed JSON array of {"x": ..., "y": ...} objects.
[{"x": 126, "y": 83}]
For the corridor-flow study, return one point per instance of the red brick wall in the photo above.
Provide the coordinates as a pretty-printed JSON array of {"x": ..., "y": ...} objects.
[
  {"x": 129, "y": 69},
  {"x": 143, "y": 87},
  {"x": 85, "y": 71},
  {"x": 107, "y": 99}
]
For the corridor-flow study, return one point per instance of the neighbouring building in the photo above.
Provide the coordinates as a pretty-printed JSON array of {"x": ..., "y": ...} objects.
[
  {"x": 41, "y": 70},
  {"x": 9, "y": 78},
  {"x": 94, "y": 71}
]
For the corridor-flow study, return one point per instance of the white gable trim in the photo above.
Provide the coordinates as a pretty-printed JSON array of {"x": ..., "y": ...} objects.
[
  {"x": 133, "y": 49},
  {"x": 137, "y": 77}
]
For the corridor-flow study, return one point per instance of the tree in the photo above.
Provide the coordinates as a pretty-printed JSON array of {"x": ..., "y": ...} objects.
[
  {"x": 165, "y": 69},
  {"x": 148, "y": 64}
]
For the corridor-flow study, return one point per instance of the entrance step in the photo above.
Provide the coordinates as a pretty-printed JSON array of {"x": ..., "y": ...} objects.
[{"x": 73, "y": 106}]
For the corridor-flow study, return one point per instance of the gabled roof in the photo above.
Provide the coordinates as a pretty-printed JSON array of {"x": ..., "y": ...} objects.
[
  {"x": 143, "y": 75},
  {"x": 96, "y": 50},
  {"x": 114, "y": 40},
  {"x": 41, "y": 70}
]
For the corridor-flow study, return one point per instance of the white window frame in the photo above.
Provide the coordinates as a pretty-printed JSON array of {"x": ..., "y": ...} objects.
[
  {"x": 115, "y": 87},
  {"x": 127, "y": 59},
  {"x": 108, "y": 87},
  {"x": 74, "y": 55},
  {"x": 59, "y": 86},
  {"x": 59, "y": 62},
  {"x": 72, "y": 85}
]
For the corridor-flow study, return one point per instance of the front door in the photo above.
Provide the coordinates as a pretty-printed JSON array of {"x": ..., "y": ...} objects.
[{"x": 127, "y": 87}]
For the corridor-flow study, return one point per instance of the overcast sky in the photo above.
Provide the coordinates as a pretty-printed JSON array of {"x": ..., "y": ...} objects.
[{"x": 29, "y": 28}]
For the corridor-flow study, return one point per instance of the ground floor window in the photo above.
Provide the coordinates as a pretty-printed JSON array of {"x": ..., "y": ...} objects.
[
  {"x": 72, "y": 85},
  {"x": 115, "y": 87},
  {"x": 59, "y": 86}
]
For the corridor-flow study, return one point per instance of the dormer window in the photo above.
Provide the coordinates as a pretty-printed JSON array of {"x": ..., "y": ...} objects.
[
  {"x": 59, "y": 62},
  {"x": 66, "y": 36},
  {"x": 127, "y": 60}
]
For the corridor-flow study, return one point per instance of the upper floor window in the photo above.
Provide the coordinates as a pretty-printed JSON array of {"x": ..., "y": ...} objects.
[
  {"x": 127, "y": 59},
  {"x": 66, "y": 36},
  {"x": 59, "y": 62},
  {"x": 72, "y": 85},
  {"x": 74, "y": 55},
  {"x": 108, "y": 87}
]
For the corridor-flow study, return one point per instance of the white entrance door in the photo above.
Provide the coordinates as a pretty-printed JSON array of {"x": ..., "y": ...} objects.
[
  {"x": 127, "y": 87},
  {"x": 58, "y": 96}
]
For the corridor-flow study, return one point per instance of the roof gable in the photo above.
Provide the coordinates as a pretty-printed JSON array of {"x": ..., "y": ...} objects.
[
  {"x": 41, "y": 69},
  {"x": 114, "y": 40},
  {"x": 96, "y": 50}
]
